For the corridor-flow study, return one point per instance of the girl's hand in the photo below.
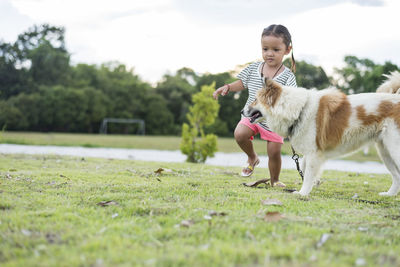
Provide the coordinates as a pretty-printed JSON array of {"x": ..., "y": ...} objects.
[{"x": 223, "y": 90}]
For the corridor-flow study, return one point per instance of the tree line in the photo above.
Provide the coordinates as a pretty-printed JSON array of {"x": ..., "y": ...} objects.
[{"x": 40, "y": 90}]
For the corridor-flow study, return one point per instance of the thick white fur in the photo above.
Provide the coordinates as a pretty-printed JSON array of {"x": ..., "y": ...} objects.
[
  {"x": 299, "y": 106},
  {"x": 392, "y": 85}
]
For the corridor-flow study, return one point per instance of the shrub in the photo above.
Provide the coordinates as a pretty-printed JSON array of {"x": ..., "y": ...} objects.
[{"x": 195, "y": 143}]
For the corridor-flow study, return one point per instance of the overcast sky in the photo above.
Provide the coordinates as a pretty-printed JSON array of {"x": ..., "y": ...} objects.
[{"x": 156, "y": 37}]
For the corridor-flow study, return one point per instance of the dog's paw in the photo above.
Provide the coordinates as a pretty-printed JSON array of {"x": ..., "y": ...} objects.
[{"x": 300, "y": 193}]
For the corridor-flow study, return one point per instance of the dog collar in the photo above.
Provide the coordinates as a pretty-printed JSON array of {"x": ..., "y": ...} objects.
[{"x": 296, "y": 122}]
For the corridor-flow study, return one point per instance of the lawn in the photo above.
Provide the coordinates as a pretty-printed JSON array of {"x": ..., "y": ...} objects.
[
  {"x": 69, "y": 211},
  {"x": 225, "y": 144}
]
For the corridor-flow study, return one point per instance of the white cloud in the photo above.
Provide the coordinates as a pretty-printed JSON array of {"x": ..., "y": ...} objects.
[
  {"x": 159, "y": 36},
  {"x": 77, "y": 11},
  {"x": 234, "y": 12},
  {"x": 331, "y": 33},
  {"x": 12, "y": 22}
]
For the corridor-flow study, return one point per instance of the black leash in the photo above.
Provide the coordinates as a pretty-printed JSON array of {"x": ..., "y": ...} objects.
[{"x": 296, "y": 157}]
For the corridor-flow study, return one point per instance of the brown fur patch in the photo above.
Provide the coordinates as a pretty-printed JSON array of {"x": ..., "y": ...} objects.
[
  {"x": 332, "y": 119},
  {"x": 386, "y": 109},
  {"x": 270, "y": 94}
]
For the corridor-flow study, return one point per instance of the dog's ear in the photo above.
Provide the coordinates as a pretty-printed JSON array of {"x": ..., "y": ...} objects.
[
  {"x": 271, "y": 93},
  {"x": 270, "y": 84}
]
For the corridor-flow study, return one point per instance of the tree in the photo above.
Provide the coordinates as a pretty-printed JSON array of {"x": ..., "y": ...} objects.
[
  {"x": 127, "y": 96},
  {"x": 177, "y": 90},
  {"x": 84, "y": 75},
  {"x": 230, "y": 105},
  {"x": 29, "y": 106},
  {"x": 96, "y": 109},
  {"x": 12, "y": 80},
  {"x": 49, "y": 65},
  {"x": 37, "y": 57},
  {"x": 362, "y": 75},
  {"x": 201, "y": 114},
  {"x": 11, "y": 118},
  {"x": 63, "y": 109},
  {"x": 37, "y": 36},
  {"x": 159, "y": 120},
  {"x": 310, "y": 76},
  {"x": 42, "y": 50}
]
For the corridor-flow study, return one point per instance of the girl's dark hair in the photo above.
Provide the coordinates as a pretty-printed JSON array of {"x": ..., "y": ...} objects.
[{"x": 278, "y": 30}]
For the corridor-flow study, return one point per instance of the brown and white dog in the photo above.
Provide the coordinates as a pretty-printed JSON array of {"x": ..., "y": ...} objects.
[{"x": 326, "y": 124}]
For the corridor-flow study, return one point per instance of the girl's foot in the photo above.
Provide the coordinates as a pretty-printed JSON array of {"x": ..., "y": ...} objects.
[
  {"x": 279, "y": 184},
  {"x": 264, "y": 181},
  {"x": 246, "y": 172}
]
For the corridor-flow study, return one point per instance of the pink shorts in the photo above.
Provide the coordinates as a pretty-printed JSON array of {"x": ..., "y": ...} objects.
[{"x": 264, "y": 134}]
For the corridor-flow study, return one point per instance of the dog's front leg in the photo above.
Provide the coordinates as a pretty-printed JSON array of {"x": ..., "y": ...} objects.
[
  {"x": 303, "y": 168},
  {"x": 312, "y": 168},
  {"x": 303, "y": 164}
]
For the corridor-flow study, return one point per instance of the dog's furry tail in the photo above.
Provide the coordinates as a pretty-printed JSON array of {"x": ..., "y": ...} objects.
[{"x": 391, "y": 85}]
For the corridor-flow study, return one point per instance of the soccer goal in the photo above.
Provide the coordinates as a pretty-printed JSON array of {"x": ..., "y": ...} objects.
[{"x": 106, "y": 121}]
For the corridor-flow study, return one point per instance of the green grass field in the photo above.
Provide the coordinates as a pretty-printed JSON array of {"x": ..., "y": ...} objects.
[
  {"x": 227, "y": 145},
  {"x": 66, "y": 211},
  {"x": 74, "y": 211}
]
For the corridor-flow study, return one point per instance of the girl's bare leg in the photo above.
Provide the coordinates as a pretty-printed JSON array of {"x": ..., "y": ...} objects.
[
  {"x": 242, "y": 137},
  {"x": 274, "y": 160}
]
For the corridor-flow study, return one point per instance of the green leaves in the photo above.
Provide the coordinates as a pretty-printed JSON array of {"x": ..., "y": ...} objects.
[
  {"x": 310, "y": 76},
  {"x": 362, "y": 75},
  {"x": 39, "y": 58},
  {"x": 195, "y": 143}
]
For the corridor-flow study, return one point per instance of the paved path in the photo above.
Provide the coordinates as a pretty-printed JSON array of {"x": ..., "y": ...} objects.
[{"x": 220, "y": 159}]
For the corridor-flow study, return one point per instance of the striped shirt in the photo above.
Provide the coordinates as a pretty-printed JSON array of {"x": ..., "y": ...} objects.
[{"x": 252, "y": 80}]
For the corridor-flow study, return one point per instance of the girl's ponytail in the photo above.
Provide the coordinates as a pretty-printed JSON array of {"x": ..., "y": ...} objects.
[{"x": 293, "y": 62}]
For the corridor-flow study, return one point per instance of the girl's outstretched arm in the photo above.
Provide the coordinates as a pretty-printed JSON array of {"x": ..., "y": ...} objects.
[{"x": 225, "y": 89}]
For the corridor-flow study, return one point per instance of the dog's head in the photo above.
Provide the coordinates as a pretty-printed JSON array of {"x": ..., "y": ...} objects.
[{"x": 265, "y": 100}]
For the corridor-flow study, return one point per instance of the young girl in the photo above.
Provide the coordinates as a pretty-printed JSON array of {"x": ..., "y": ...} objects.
[{"x": 276, "y": 42}]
